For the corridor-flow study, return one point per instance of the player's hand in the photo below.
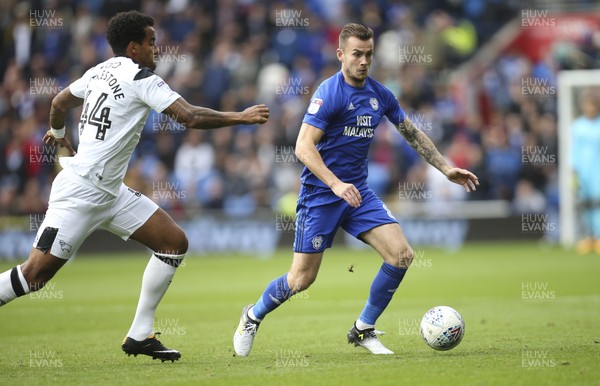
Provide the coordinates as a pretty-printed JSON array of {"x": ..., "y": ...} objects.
[
  {"x": 256, "y": 114},
  {"x": 463, "y": 177},
  {"x": 348, "y": 192},
  {"x": 62, "y": 142}
]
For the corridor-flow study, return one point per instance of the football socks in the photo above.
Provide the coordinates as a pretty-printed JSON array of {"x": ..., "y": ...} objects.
[
  {"x": 384, "y": 285},
  {"x": 12, "y": 285},
  {"x": 277, "y": 292},
  {"x": 155, "y": 282}
]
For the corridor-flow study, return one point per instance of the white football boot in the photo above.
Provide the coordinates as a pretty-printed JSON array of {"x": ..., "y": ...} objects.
[
  {"x": 368, "y": 340},
  {"x": 243, "y": 338}
]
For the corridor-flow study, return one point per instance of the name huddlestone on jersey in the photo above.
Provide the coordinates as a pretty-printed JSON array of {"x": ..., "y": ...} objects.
[
  {"x": 113, "y": 83},
  {"x": 362, "y": 129}
]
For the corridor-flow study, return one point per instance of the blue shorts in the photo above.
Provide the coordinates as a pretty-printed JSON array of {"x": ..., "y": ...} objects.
[{"x": 319, "y": 214}]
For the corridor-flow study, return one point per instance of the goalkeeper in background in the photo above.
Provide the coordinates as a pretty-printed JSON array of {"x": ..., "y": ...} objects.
[{"x": 585, "y": 158}]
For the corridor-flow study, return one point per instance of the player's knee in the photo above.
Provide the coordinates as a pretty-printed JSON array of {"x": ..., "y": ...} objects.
[
  {"x": 402, "y": 258},
  {"x": 176, "y": 243},
  {"x": 300, "y": 282},
  {"x": 405, "y": 257},
  {"x": 307, "y": 282},
  {"x": 182, "y": 242}
]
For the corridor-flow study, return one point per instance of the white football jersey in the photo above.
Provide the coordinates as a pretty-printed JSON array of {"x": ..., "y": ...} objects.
[{"x": 118, "y": 96}]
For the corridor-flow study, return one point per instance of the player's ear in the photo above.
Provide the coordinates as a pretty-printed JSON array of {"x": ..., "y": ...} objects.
[
  {"x": 132, "y": 48},
  {"x": 340, "y": 54}
]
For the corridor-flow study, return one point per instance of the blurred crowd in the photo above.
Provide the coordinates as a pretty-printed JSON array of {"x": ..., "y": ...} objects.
[{"x": 230, "y": 54}]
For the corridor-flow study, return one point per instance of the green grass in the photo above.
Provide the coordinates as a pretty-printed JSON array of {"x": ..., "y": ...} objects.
[{"x": 71, "y": 333}]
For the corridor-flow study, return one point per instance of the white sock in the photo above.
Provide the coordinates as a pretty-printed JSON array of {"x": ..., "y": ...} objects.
[
  {"x": 252, "y": 316},
  {"x": 362, "y": 325},
  {"x": 7, "y": 291},
  {"x": 156, "y": 280}
]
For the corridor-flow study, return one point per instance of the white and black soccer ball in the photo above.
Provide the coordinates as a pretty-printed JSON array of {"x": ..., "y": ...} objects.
[{"x": 442, "y": 328}]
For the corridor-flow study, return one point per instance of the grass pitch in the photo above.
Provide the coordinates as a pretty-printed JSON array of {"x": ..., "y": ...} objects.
[{"x": 532, "y": 318}]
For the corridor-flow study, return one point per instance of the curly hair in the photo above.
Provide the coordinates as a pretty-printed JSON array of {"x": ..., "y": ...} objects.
[{"x": 125, "y": 27}]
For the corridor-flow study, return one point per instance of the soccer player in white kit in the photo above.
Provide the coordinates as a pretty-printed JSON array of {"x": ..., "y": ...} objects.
[{"x": 89, "y": 193}]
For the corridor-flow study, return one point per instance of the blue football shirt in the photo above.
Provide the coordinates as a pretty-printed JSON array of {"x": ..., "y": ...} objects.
[{"x": 349, "y": 116}]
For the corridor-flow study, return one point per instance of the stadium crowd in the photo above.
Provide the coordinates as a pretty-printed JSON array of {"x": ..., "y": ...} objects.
[{"x": 229, "y": 54}]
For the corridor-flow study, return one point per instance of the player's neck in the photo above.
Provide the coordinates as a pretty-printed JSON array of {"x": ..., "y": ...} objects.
[{"x": 352, "y": 81}]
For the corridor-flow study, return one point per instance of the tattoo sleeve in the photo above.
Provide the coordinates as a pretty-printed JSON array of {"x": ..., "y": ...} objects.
[{"x": 422, "y": 144}]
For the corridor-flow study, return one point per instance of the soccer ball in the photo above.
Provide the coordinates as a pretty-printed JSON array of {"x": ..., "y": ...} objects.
[{"x": 442, "y": 328}]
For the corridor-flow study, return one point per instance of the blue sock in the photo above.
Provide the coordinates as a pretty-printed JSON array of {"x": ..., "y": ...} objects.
[
  {"x": 276, "y": 293},
  {"x": 383, "y": 287}
]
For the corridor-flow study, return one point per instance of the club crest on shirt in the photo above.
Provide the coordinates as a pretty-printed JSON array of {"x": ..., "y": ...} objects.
[
  {"x": 315, "y": 105},
  {"x": 317, "y": 241},
  {"x": 374, "y": 104},
  {"x": 64, "y": 246}
]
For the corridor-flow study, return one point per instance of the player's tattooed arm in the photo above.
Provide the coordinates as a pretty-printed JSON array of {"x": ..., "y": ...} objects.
[
  {"x": 196, "y": 117},
  {"x": 423, "y": 145}
]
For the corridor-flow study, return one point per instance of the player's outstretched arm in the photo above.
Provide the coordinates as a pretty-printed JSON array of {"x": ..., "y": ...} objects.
[
  {"x": 196, "y": 117},
  {"x": 423, "y": 145},
  {"x": 61, "y": 104},
  {"x": 307, "y": 153}
]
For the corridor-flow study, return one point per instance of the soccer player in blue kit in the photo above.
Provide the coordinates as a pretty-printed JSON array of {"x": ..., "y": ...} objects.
[{"x": 333, "y": 144}]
